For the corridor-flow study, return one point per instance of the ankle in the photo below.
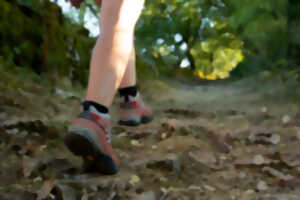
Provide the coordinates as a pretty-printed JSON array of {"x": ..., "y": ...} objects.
[
  {"x": 128, "y": 93},
  {"x": 95, "y": 107}
]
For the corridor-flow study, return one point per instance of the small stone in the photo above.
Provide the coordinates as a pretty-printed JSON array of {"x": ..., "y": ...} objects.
[
  {"x": 262, "y": 186},
  {"x": 163, "y": 179},
  {"x": 154, "y": 147},
  {"x": 37, "y": 179},
  {"x": 195, "y": 187},
  {"x": 146, "y": 196},
  {"x": 286, "y": 119},
  {"x": 242, "y": 175},
  {"x": 170, "y": 162},
  {"x": 298, "y": 135},
  {"x": 205, "y": 157},
  {"x": 136, "y": 143},
  {"x": 164, "y": 136},
  {"x": 250, "y": 191},
  {"x": 277, "y": 174},
  {"x": 268, "y": 138},
  {"x": 209, "y": 188},
  {"x": 258, "y": 160},
  {"x": 264, "y": 109},
  {"x": 222, "y": 157},
  {"x": 275, "y": 139},
  {"x": 123, "y": 134}
]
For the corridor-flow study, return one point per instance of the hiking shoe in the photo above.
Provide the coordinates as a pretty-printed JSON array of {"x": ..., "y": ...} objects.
[
  {"x": 90, "y": 137},
  {"x": 134, "y": 112}
]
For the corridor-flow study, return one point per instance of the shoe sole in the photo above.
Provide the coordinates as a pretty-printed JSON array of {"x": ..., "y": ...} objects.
[
  {"x": 144, "y": 120},
  {"x": 94, "y": 159}
]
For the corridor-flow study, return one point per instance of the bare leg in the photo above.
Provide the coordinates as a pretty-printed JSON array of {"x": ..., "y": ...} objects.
[
  {"x": 113, "y": 49},
  {"x": 129, "y": 78}
]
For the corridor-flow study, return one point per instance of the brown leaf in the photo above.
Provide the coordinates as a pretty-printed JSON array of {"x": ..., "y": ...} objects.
[
  {"x": 44, "y": 192},
  {"x": 29, "y": 164},
  {"x": 65, "y": 192}
]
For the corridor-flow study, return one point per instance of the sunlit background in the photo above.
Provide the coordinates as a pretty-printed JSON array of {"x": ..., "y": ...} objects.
[
  {"x": 209, "y": 39},
  {"x": 90, "y": 21}
]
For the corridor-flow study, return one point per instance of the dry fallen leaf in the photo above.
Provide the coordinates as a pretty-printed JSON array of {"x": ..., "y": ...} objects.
[
  {"x": 29, "y": 164},
  {"x": 44, "y": 192}
]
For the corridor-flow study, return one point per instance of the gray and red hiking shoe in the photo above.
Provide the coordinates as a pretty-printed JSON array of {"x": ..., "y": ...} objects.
[
  {"x": 89, "y": 136},
  {"x": 134, "y": 112}
]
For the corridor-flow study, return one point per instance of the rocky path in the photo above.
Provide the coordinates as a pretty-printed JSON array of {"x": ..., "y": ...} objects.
[{"x": 238, "y": 141}]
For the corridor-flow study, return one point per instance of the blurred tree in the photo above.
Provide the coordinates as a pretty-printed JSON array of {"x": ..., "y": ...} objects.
[
  {"x": 294, "y": 33},
  {"x": 36, "y": 35},
  {"x": 194, "y": 33},
  {"x": 262, "y": 25},
  {"x": 211, "y": 38}
]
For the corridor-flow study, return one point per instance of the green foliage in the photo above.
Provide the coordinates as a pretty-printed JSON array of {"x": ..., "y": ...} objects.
[
  {"x": 218, "y": 38},
  {"x": 189, "y": 30},
  {"x": 34, "y": 34}
]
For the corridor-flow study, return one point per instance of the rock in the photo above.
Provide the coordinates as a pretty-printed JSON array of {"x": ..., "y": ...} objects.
[
  {"x": 242, "y": 175},
  {"x": 168, "y": 128},
  {"x": 169, "y": 162},
  {"x": 298, "y": 135},
  {"x": 195, "y": 188},
  {"x": 207, "y": 158},
  {"x": 265, "y": 138},
  {"x": 146, "y": 196},
  {"x": 136, "y": 143},
  {"x": 61, "y": 165},
  {"x": 262, "y": 186},
  {"x": 254, "y": 160},
  {"x": 286, "y": 119},
  {"x": 264, "y": 109},
  {"x": 277, "y": 174},
  {"x": 250, "y": 191},
  {"x": 258, "y": 160},
  {"x": 209, "y": 188},
  {"x": 290, "y": 155}
]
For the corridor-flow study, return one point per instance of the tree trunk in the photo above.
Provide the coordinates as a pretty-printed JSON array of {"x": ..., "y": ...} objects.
[
  {"x": 293, "y": 20},
  {"x": 191, "y": 59}
]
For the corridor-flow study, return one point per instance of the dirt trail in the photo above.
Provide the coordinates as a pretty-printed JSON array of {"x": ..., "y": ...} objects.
[{"x": 237, "y": 140}]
